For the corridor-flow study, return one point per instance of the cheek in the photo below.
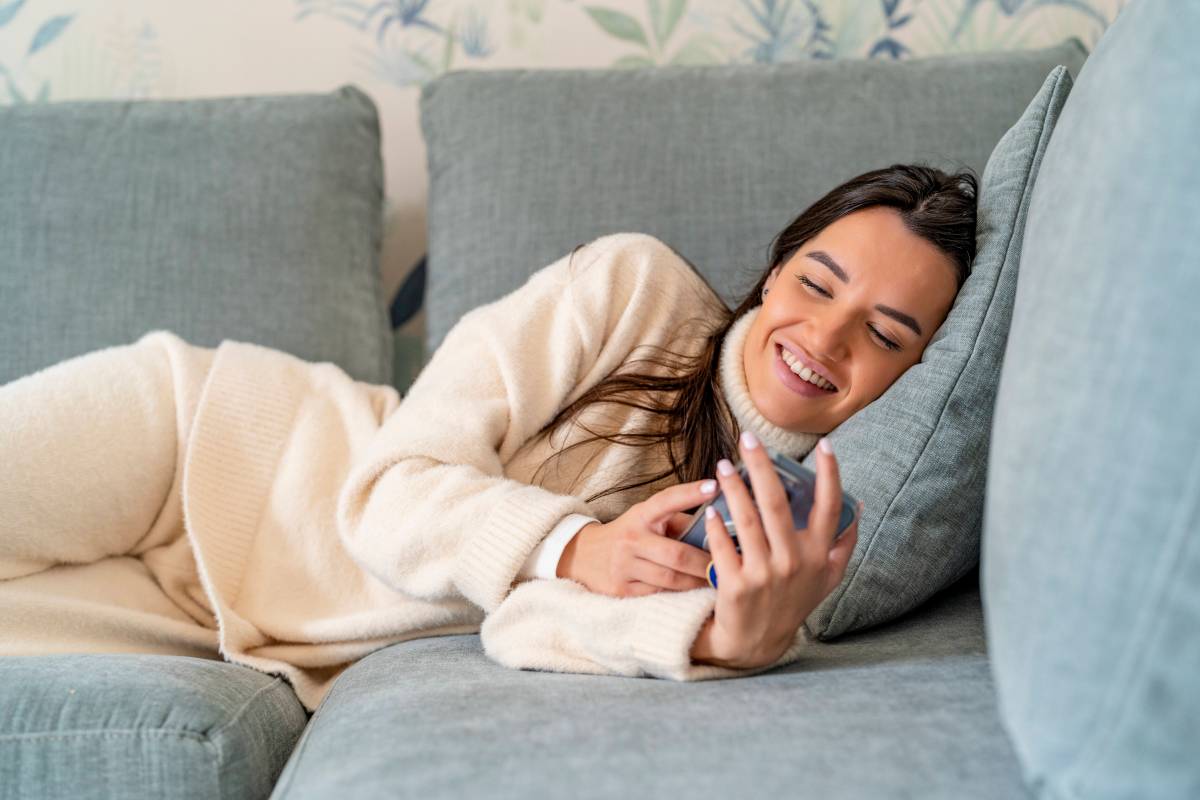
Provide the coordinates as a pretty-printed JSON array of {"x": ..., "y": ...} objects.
[{"x": 873, "y": 375}]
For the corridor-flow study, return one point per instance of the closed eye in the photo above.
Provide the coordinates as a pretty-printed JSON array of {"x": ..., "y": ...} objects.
[{"x": 888, "y": 343}]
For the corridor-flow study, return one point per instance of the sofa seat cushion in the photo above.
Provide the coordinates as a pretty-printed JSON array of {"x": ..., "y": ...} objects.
[
  {"x": 131, "y": 726},
  {"x": 902, "y": 710}
]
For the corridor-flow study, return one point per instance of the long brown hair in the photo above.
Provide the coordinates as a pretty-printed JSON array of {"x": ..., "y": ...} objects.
[{"x": 697, "y": 426}]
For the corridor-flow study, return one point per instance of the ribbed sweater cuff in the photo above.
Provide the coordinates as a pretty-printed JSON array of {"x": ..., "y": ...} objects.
[
  {"x": 666, "y": 628},
  {"x": 243, "y": 421},
  {"x": 494, "y": 554}
]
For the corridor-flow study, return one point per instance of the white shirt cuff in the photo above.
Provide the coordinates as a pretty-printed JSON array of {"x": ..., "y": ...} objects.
[{"x": 543, "y": 561}]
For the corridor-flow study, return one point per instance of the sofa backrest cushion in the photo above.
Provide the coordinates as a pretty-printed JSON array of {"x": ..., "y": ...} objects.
[
  {"x": 713, "y": 160},
  {"x": 1091, "y": 546},
  {"x": 250, "y": 218}
]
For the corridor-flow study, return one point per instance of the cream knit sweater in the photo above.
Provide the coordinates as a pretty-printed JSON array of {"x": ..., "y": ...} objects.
[{"x": 329, "y": 517}]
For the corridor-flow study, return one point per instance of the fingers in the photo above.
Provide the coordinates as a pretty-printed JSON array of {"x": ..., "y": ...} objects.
[
  {"x": 677, "y": 524},
  {"x": 827, "y": 501},
  {"x": 654, "y": 574},
  {"x": 744, "y": 515},
  {"x": 660, "y": 508},
  {"x": 724, "y": 555},
  {"x": 639, "y": 589},
  {"x": 839, "y": 555},
  {"x": 774, "y": 512},
  {"x": 672, "y": 555}
]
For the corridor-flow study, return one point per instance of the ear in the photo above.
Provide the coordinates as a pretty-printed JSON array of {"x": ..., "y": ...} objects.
[{"x": 774, "y": 274}]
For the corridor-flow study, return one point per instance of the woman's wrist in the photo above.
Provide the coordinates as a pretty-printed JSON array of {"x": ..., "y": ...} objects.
[
  {"x": 566, "y": 561},
  {"x": 701, "y": 651}
]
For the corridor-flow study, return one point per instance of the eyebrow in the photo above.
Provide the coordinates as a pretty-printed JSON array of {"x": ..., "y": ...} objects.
[{"x": 836, "y": 269}]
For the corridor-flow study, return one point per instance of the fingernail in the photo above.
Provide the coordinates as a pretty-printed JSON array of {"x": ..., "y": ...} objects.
[
  {"x": 749, "y": 440},
  {"x": 824, "y": 445},
  {"x": 725, "y": 466},
  {"x": 710, "y": 512},
  {"x": 708, "y": 487}
]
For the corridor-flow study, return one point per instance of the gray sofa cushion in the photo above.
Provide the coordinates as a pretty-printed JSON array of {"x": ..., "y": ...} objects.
[
  {"x": 917, "y": 456},
  {"x": 713, "y": 160},
  {"x": 110, "y": 725},
  {"x": 1091, "y": 556},
  {"x": 905, "y": 710},
  {"x": 252, "y": 218}
]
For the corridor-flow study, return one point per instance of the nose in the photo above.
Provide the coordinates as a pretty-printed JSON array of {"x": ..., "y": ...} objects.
[{"x": 827, "y": 336}]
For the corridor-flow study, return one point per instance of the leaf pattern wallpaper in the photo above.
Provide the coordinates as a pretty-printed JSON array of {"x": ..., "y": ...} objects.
[{"x": 58, "y": 50}]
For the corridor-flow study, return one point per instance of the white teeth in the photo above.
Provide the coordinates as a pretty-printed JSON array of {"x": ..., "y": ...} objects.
[{"x": 804, "y": 372}]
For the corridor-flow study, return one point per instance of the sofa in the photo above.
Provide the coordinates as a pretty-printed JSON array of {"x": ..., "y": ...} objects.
[{"x": 1065, "y": 663}]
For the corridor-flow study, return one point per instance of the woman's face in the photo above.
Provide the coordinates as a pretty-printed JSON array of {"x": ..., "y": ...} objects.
[{"x": 832, "y": 304}]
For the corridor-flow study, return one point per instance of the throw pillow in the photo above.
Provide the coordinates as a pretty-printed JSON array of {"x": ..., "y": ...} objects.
[{"x": 917, "y": 456}]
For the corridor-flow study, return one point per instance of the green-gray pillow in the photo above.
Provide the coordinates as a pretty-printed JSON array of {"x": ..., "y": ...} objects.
[
  {"x": 917, "y": 456},
  {"x": 251, "y": 218}
]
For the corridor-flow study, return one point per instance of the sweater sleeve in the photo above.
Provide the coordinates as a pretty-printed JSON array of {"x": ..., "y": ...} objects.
[
  {"x": 428, "y": 509},
  {"x": 560, "y": 626},
  {"x": 543, "y": 561}
]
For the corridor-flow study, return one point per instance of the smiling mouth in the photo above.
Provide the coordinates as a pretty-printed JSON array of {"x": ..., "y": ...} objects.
[{"x": 779, "y": 350}]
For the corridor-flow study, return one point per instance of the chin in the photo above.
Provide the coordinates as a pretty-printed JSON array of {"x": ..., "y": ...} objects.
[{"x": 783, "y": 421}]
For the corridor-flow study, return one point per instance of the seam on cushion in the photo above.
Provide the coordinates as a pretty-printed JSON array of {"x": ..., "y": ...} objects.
[
  {"x": 238, "y": 713},
  {"x": 211, "y": 737},
  {"x": 1117, "y": 698},
  {"x": 1030, "y": 172},
  {"x": 283, "y": 782}
]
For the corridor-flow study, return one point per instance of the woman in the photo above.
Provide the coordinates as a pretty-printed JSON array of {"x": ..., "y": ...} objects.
[{"x": 241, "y": 502}]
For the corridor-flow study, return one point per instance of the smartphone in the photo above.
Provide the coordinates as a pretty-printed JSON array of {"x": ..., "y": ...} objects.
[{"x": 798, "y": 481}]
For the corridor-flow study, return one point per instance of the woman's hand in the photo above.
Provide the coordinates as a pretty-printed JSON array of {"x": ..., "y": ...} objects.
[
  {"x": 637, "y": 553},
  {"x": 766, "y": 593}
]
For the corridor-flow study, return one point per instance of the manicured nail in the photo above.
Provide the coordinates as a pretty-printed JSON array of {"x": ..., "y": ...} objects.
[
  {"x": 725, "y": 466},
  {"x": 749, "y": 440},
  {"x": 824, "y": 445},
  {"x": 710, "y": 512},
  {"x": 708, "y": 487}
]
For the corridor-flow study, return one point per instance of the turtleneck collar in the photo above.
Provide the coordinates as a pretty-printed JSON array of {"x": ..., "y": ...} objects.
[{"x": 737, "y": 394}]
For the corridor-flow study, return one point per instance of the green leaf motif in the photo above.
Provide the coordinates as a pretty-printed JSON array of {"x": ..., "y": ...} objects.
[
  {"x": 49, "y": 31},
  {"x": 618, "y": 24},
  {"x": 674, "y": 12},
  {"x": 15, "y": 93},
  {"x": 632, "y": 62},
  {"x": 700, "y": 49},
  {"x": 530, "y": 9},
  {"x": 656, "y": 20},
  {"x": 448, "y": 53},
  {"x": 418, "y": 58},
  {"x": 664, "y": 24}
]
